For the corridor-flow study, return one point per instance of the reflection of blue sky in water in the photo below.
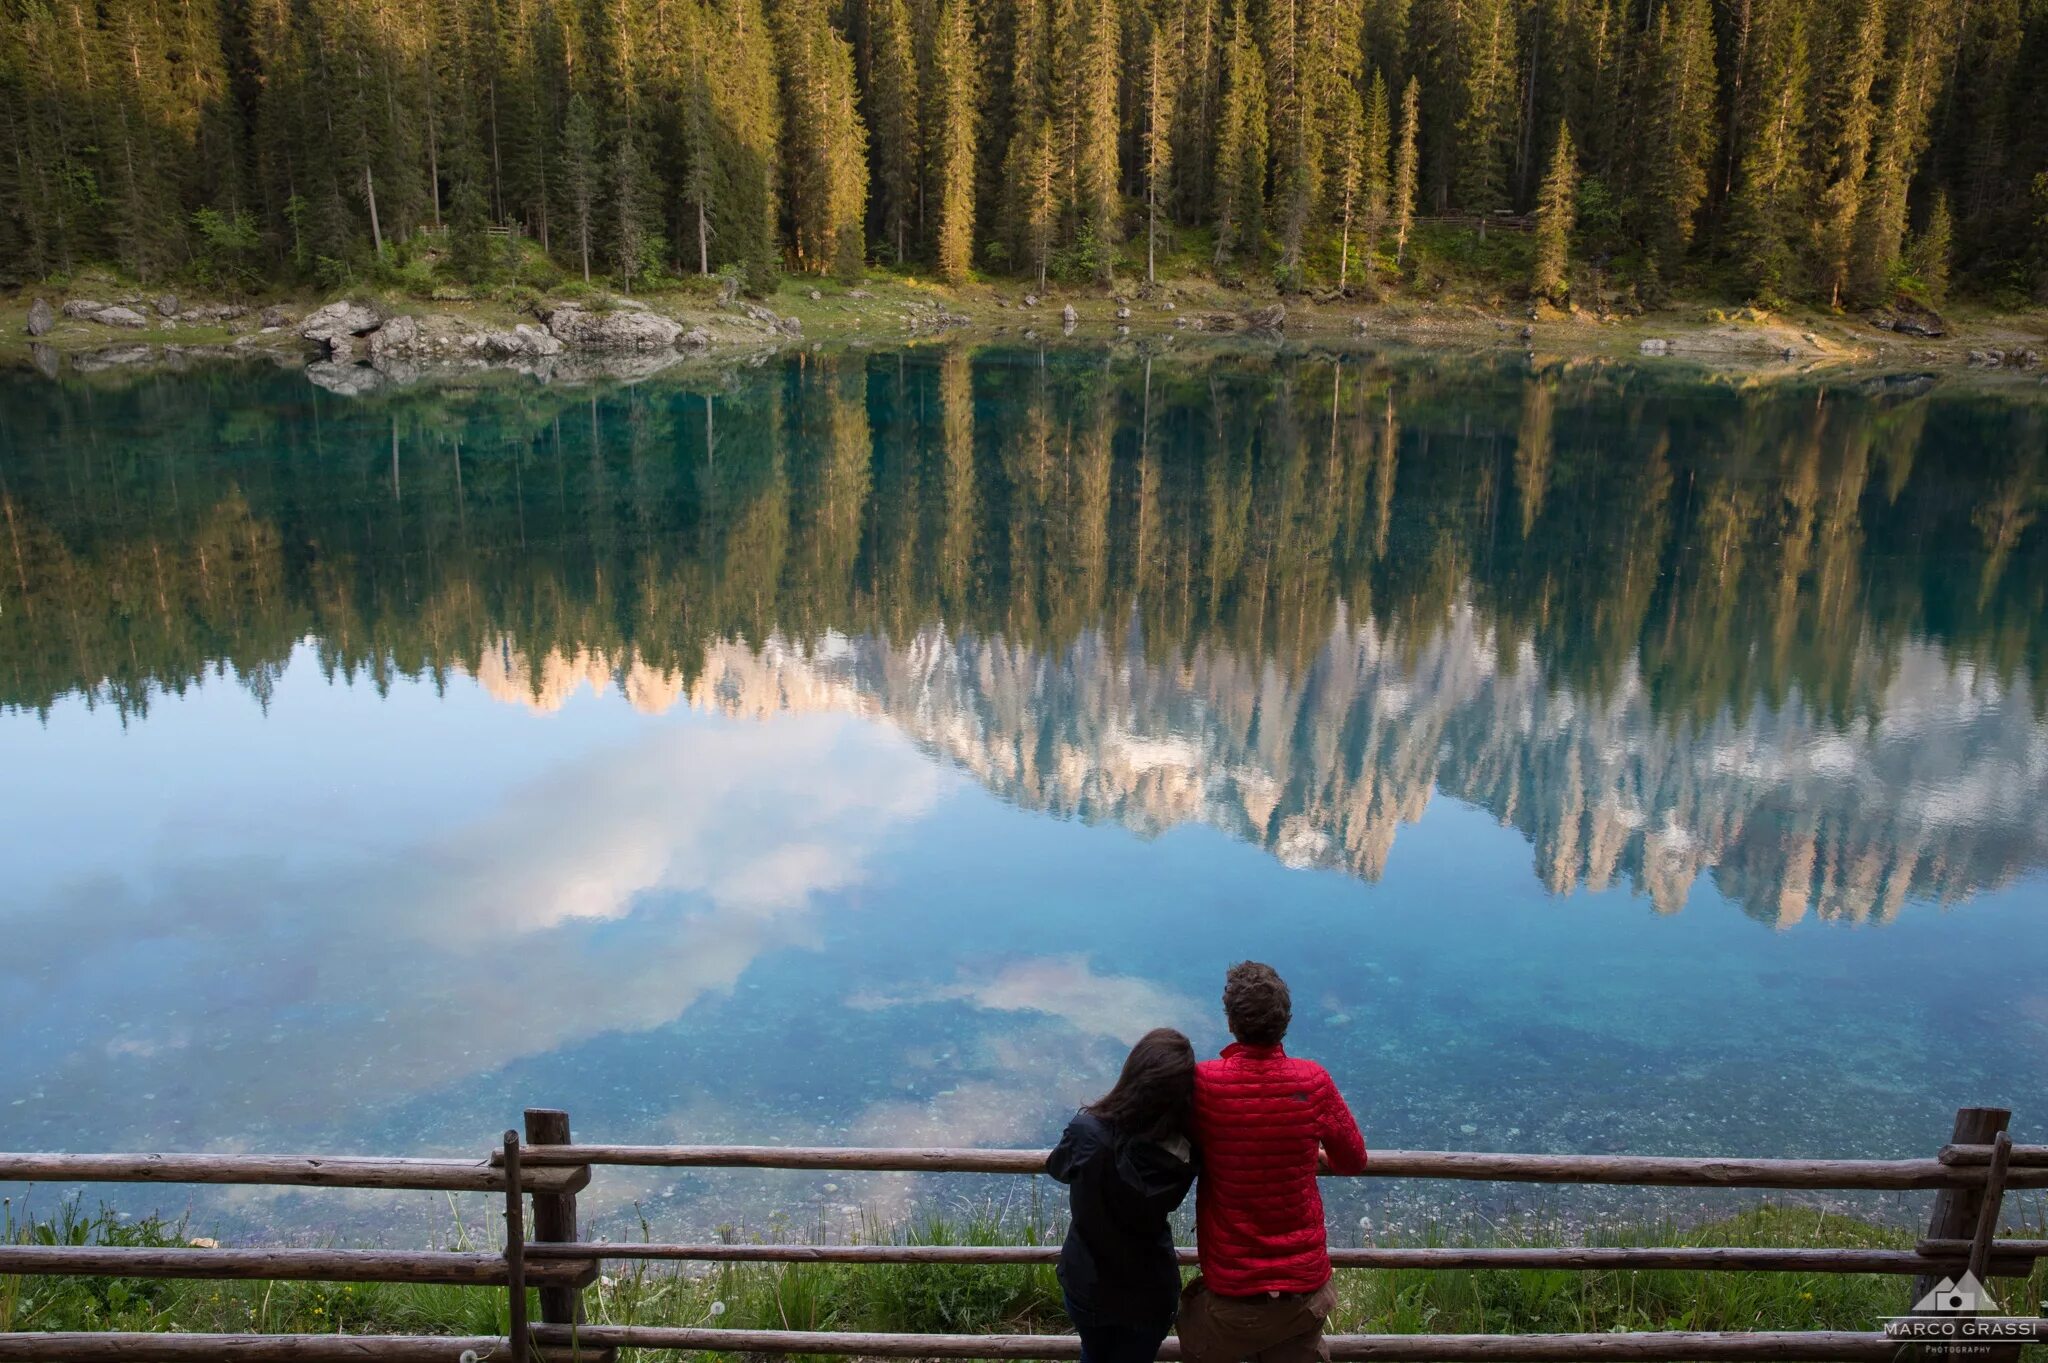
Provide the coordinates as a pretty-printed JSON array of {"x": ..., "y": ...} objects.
[{"x": 725, "y": 922}]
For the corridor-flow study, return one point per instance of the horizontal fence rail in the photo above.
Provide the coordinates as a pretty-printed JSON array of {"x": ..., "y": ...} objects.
[
  {"x": 1672, "y": 1345},
  {"x": 2009, "y": 1260},
  {"x": 284, "y": 1171},
  {"x": 1650, "y": 1171},
  {"x": 1969, "y": 1177}
]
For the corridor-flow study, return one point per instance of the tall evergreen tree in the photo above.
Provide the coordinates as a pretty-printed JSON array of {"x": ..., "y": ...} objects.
[
  {"x": 1405, "y": 167},
  {"x": 1845, "y": 118},
  {"x": 579, "y": 176},
  {"x": 1677, "y": 129},
  {"x": 1157, "y": 74},
  {"x": 825, "y": 143},
  {"x": 952, "y": 137},
  {"x": 1555, "y": 210},
  {"x": 1241, "y": 145},
  {"x": 893, "y": 116}
]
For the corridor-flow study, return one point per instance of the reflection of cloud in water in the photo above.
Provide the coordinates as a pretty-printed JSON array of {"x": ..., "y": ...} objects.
[
  {"x": 1064, "y": 987},
  {"x": 609, "y": 895}
]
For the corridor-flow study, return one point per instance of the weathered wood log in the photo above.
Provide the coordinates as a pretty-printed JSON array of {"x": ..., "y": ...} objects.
[
  {"x": 1621, "y": 1258},
  {"x": 80, "y": 1347},
  {"x": 1990, "y": 1201},
  {"x": 1645, "y": 1170},
  {"x": 2011, "y": 1249},
  {"x": 1648, "y": 1345},
  {"x": 298, "y": 1265},
  {"x": 304, "y": 1171},
  {"x": 554, "y": 1219},
  {"x": 515, "y": 1250},
  {"x": 2023, "y": 1156},
  {"x": 1957, "y": 1211}
]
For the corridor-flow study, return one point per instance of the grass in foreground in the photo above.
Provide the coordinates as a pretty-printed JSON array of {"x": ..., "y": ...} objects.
[{"x": 968, "y": 1299}]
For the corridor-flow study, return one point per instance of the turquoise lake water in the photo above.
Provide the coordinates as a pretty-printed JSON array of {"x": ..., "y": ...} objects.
[{"x": 866, "y": 748}]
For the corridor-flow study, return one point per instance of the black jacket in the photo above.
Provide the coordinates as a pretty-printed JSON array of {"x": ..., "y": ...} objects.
[{"x": 1117, "y": 1265}]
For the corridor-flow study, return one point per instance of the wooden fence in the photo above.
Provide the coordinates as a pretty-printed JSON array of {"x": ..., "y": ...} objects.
[{"x": 1969, "y": 1177}]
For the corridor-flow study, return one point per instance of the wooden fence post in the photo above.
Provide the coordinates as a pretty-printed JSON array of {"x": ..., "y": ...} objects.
[
  {"x": 515, "y": 1246},
  {"x": 554, "y": 1218},
  {"x": 1957, "y": 1212}
]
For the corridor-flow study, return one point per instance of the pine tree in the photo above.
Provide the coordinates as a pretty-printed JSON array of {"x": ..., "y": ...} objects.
[
  {"x": 1157, "y": 72},
  {"x": 893, "y": 116},
  {"x": 825, "y": 143},
  {"x": 1677, "y": 127},
  {"x": 747, "y": 113},
  {"x": 579, "y": 175},
  {"x": 1913, "y": 76},
  {"x": 1763, "y": 214},
  {"x": 1405, "y": 168},
  {"x": 1087, "y": 43},
  {"x": 1931, "y": 251},
  {"x": 1347, "y": 173},
  {"x": 1554, "y": 218},
  {"x": 1845, "y": 119},
  {"x": 952, "y": 133},
  {"x": 1241, "y": 145},
  {"x": 1376, "y": 138},
  {"x": 1487, "y": 108}
]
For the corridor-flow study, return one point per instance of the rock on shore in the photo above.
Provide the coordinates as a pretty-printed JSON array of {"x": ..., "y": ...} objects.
[{"x": 622, "y": 329}]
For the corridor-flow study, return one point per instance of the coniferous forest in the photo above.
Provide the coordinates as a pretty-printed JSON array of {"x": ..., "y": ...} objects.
[{"x": 1828, "y": 151}]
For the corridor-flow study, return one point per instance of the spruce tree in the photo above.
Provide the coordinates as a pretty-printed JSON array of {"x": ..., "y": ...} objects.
[
  {"x": 1376, "y": 141},
  {"x": 1487, "y": 106},
  {"x": 1677, "y": 129},
  {"x": 1405, "y": 167},
  {"x": 1555, "y": 209},
  {"x": 1931, "y": 252},
  {"x": 893, "y": 115},
  {"x": 1157, "y": 74},
  {"x": 1845, "y": 119},
  {"x": 1241, "y": 145},
  {"x": 1763, "y": 215},
  {"x": 1347, "y": 174},
  {"x": 579, "y": 176},
  {"x": 825, "y": 143},
  {"x": 952, "y": 137}
]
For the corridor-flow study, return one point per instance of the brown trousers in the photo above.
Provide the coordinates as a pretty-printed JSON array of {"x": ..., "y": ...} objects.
[{"x": 1262, "y": 1329}]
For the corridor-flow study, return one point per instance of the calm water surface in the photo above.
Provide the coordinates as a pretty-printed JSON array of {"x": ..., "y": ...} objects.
[{"x": 868, "y": 748}]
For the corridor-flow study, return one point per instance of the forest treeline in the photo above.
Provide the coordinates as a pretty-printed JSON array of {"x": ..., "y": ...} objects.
[{"x": 1833, "y": 150}]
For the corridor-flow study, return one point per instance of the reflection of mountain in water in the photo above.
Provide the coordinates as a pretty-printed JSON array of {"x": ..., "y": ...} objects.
[
  {"x": 1790, "y": 636},
  {"x": 1789, "y": 812}
]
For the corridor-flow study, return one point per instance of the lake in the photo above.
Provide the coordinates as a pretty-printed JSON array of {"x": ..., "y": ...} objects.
[{"x": 867, "y": 747}]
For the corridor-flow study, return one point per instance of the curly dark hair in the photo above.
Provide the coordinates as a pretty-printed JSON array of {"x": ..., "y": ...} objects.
[{"x": 1256, "y": 1003}]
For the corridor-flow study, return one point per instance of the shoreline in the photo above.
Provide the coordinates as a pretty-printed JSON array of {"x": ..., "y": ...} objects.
[{"x": 454, "y": 337}]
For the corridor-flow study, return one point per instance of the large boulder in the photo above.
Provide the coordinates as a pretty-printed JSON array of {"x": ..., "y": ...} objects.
[
  {"x": 40, "y": 317},
  {"x": 521, "y": 343},
  {"x": 274, "y": 316},
  {"x": 82, "y": 308},
  {"x": 120, "y": 317},
  {"x": 581, "y": 330},
  {"x": 203, "y": 313},
  {"x": 1270, "y": 320},
  {"x": 167, "y": 305},
  {"x": 338, "y": 324}
]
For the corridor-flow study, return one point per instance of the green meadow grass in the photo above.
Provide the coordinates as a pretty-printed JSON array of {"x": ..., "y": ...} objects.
[{"x": 971, "y": 1299}]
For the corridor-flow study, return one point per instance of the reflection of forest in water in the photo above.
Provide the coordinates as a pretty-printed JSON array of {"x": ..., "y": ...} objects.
[{"x": 1789, "y": 636}]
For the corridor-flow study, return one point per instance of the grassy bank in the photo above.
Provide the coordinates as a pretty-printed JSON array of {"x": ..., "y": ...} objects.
[
  {"x": 1462, "y": 292},
  {"x": 971, "y": 1299}
]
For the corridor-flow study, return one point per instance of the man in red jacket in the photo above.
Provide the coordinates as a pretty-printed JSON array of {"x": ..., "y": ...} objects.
[{"x": 1262, "y": 1119}]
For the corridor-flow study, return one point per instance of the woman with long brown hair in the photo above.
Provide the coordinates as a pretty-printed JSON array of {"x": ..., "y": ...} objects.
[{"x": 1129, "y": 1163}]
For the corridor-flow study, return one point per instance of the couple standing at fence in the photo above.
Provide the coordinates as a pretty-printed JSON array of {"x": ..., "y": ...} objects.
[{"x": 1253, "y": 1123}]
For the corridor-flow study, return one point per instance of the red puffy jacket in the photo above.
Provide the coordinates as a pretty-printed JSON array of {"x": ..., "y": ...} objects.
[{"x": 1259, "y": 1116}]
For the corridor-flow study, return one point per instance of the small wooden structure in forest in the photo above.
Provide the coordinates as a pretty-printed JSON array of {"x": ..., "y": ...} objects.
[{"x": 1969, "y": 1176}]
